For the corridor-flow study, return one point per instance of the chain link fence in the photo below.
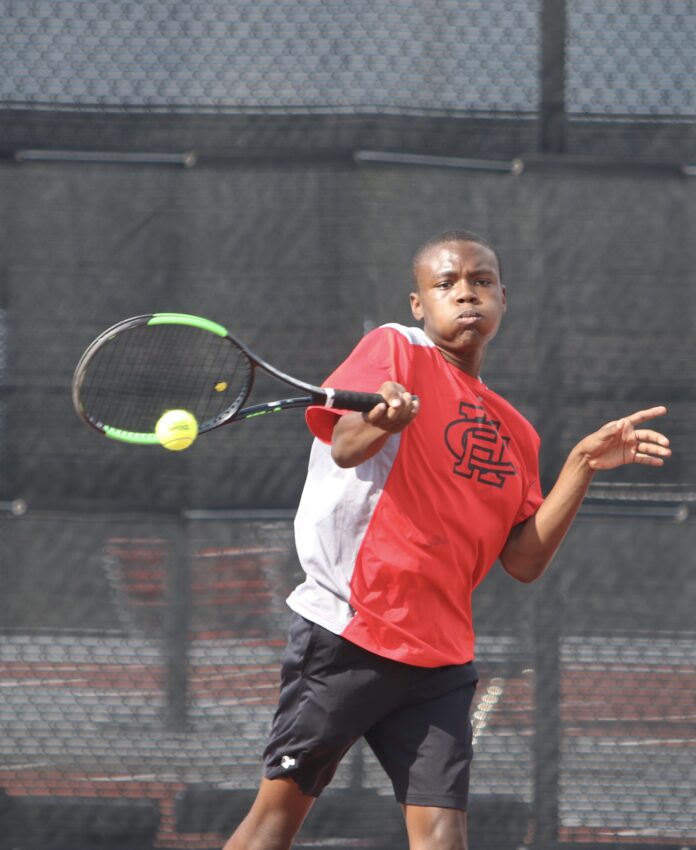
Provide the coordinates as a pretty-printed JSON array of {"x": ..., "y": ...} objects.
[
  {"x": 135, "y": 706},
  {"x": 293, "y": 55}
]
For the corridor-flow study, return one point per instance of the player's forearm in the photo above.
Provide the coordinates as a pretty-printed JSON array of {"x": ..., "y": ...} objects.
[
  {"x": 532, "y": 544},
  {"x": 355, "y": 440}
]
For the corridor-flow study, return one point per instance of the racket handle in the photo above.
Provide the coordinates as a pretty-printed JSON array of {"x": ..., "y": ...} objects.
[{"x": 347, "y": 400}]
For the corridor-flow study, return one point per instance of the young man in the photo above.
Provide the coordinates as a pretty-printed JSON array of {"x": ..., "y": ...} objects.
[{"x": 404, "y": 511}]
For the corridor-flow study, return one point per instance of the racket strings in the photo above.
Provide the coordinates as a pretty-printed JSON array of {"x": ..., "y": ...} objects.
[{"x": 134, "y": 377}]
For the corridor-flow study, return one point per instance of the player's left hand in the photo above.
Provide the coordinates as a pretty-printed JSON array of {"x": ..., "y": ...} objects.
[{"x": 622, "y": 441}]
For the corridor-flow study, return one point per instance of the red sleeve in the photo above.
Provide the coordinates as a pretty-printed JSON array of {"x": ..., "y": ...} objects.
[
  {"x": 534, "y": 496},
  {"x": 381, "y": 355}
]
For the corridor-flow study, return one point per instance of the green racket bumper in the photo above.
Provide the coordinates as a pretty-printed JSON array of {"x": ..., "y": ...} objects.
[
  {"x": 186, "y": 319},
  {"x": 133, "y": 437}
]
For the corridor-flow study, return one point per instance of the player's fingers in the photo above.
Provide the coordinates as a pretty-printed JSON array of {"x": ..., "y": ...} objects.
[
  {"x": 648, "y": 460},
  {"x": 407, "y": 400},
  {"x": 643, "y": 415},
  {"x": 412, "y": 405},
  {"x": 376, "y": 413},
  {"x": 386, "y": 413},
  {"x": 395, "y": 408},
  {"x": 400, "y": 407},
  {"x": 645, "y": 435},
  {"x": 653, "y": 450},
  {"x": 391, "y": 390}
]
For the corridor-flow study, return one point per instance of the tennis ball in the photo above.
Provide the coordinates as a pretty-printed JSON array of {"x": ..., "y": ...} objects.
[{"x": 176, "y": 429}]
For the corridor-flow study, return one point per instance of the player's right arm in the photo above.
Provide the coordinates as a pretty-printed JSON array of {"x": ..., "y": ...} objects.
[{"x": 358, "y": 436}]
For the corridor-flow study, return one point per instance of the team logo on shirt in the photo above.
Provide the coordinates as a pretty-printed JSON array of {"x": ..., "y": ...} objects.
[{"x": 479, "y": 447}]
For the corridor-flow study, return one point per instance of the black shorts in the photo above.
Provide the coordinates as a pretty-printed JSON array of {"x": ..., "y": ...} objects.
[{"x": 415, "y": 719}]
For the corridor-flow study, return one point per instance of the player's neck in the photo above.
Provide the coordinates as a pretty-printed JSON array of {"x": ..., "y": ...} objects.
[{"x": 470, "y": 363}]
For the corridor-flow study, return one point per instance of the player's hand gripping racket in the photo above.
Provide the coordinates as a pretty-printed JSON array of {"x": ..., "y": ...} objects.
[{"x": 138, "y": 369}]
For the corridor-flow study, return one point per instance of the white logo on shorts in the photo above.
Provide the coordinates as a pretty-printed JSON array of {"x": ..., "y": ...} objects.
[{"x": 286, "y": 762}]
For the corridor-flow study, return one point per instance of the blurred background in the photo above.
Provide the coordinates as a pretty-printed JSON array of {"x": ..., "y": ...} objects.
[{"x": 274, "y": 166}]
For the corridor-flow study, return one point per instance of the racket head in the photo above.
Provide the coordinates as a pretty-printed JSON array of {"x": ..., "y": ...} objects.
[{"x": 141, "y": 367}]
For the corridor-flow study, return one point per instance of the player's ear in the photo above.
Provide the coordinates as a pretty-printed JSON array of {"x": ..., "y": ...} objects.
[
  {"x": 416, "y": 308},
  {"x": 504, "y": 298}
]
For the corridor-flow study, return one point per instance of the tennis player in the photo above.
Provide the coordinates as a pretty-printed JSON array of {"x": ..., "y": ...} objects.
[{"x": 404, "y": 511}]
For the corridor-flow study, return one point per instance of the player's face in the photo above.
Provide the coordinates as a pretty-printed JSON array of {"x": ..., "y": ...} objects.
[{"x": 460, "y": 297}]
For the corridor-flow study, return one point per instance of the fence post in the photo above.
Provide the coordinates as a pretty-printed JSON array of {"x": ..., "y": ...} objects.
[
  {"x": 552, "y": 84},
  {"x": 177, "y": 626},
  {"x": 547, "y": 703}
]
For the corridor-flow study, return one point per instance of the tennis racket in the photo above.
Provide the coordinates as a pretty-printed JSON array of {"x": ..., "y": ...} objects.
[{"x": 141, "y": 367}]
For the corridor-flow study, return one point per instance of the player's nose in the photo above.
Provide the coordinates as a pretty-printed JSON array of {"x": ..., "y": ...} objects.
[{"x": 466, "y": 293}]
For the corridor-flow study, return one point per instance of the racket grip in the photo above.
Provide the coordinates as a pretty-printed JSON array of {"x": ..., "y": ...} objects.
[{"x": 347, "y": 400}]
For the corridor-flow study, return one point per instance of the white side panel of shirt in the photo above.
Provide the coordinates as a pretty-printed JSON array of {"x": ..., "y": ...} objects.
[{"x": 333, "y": 515}]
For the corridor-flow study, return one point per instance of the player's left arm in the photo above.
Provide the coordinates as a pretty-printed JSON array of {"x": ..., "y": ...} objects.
[{"x": 532, "y": 544}]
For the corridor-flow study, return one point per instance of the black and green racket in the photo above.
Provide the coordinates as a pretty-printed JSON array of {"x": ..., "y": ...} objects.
[{"x": 140, "y": 368}]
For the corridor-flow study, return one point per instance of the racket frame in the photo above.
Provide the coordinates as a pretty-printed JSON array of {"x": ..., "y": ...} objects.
[{"x": 324, "y": 396}]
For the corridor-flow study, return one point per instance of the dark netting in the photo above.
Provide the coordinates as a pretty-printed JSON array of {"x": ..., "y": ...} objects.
[
  {"x": 631, "y": 58},
  {"x": 267, "y": 55},
  {"x": 140, "y": 654},
  {"x": 142, "y": 612},
  {"x": 627, "y": 676},
  {"x": 630, "y": 81}
]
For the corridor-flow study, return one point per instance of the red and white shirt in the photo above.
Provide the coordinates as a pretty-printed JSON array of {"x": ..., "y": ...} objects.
[{"x": 393, "y": 548}]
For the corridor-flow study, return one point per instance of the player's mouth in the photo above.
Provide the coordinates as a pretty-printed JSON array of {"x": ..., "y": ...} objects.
[{"x": 469, "y": 317}]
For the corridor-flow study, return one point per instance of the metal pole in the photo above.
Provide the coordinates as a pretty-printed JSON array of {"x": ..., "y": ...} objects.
[
  {"x": 177, "y": 627},
  {"x": 548, "y": 598},
  {"x": 553, "y": 59}
]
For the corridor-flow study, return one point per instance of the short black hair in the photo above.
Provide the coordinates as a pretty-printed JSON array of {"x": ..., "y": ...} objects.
[{"x": 454, "y": 236}]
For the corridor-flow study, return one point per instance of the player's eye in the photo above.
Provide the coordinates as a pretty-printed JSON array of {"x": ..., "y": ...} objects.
[{"x": 483, "y": 281}]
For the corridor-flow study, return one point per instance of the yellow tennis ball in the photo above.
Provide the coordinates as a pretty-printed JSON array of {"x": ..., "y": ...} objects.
[{"x": 176, "y": 429}]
